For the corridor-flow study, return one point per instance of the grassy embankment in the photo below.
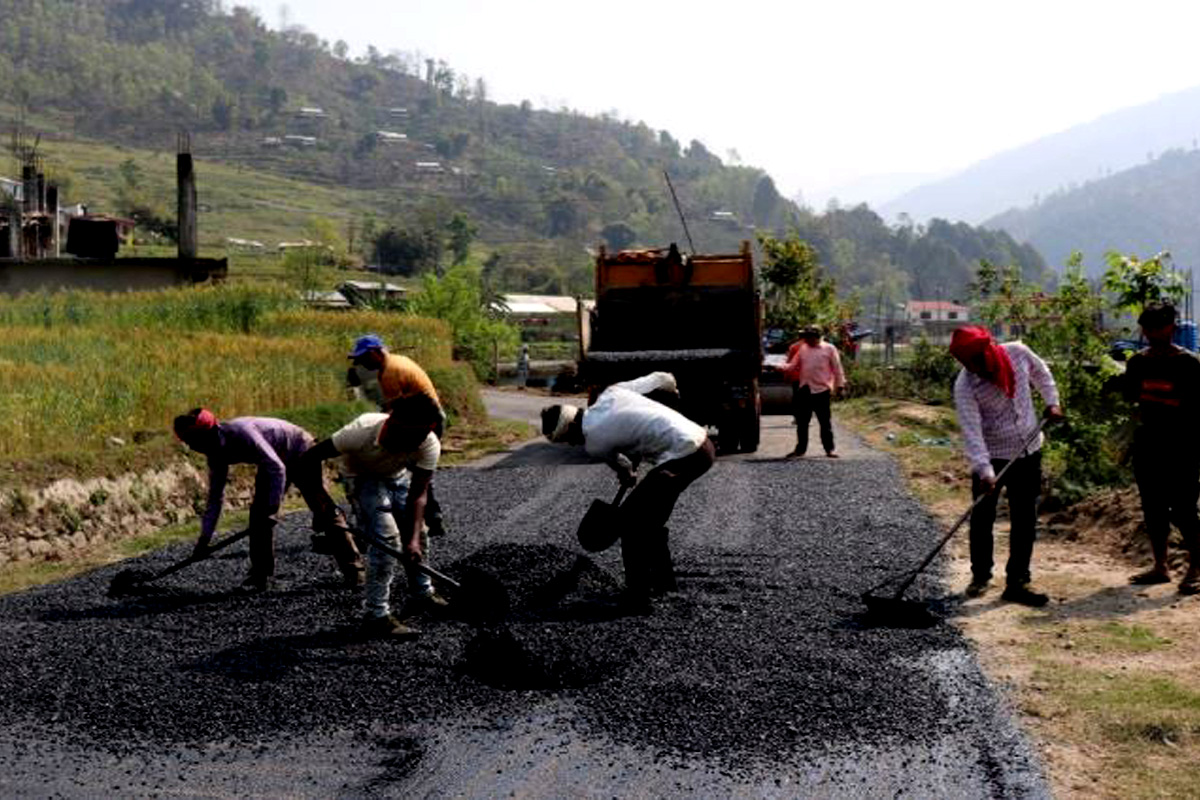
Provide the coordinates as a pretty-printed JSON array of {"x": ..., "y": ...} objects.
[
  {"x": 1109, "y": 687},
  {"x": 235, "y": 202},
  {"x": 89, "y": 382}
]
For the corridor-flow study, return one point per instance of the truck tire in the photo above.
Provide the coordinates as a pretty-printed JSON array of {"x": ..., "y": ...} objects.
[
  {"x": 751, "y": 430},
  {"x": 727, "y": 433}
]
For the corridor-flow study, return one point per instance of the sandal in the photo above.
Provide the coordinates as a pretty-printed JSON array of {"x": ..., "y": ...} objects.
[
  {"x": 1190, "y": 583},
  {"x": 1149, "y": 578}
]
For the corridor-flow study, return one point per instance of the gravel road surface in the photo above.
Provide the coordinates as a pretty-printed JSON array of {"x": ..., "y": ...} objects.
[{"x": 758, "y": 678}]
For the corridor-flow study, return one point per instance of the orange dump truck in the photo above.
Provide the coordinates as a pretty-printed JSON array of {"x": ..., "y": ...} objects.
[{"x": 698, "y": 317}]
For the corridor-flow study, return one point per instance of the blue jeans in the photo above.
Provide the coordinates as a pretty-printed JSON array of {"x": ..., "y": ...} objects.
[{"x": 381, "y": 503}]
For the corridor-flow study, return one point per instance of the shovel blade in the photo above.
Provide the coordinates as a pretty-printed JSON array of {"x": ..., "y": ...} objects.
[
  {"x": 600, "y": 527},
  {"x": 895, "y": 612},
  {"x": 128, "y": 581}
]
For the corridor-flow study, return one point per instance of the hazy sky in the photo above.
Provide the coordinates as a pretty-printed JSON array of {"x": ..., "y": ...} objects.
[{"x": 820, "y": 94}]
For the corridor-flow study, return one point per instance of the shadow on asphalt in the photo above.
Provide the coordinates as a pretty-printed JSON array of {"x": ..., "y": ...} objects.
[
  {"x": 273, "y": 658},
  {"x": 151, "y": 600}
]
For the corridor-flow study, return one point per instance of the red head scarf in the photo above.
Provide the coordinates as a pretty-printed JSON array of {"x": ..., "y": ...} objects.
[
  {"x": 197, "y": 421},
  {"x": 971, "y": 341}
]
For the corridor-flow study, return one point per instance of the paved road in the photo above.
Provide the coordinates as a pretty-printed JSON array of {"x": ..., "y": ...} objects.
[{"x": 759, "y": 678}]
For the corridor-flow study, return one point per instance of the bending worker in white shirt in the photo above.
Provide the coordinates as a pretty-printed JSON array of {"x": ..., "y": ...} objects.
[{"x": 622, "y": 427}]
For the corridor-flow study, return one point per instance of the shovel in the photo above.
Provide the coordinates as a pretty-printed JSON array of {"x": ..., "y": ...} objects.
[
  {"x": 125, "y": 581},
  {"x": 896, "y": 611},
  {"x": 600, "y": 526},
  {"x": 479, "y": 597}
]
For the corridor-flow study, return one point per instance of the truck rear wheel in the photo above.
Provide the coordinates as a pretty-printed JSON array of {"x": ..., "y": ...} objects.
[{"x": 750, "y": 427}]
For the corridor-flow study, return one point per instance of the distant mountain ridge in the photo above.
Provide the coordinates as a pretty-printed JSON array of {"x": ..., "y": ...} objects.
[
  {"x": 1143, "y": 210},
  {"x": 1022, "y": 176},
  {"x": 420, "y": 149}
]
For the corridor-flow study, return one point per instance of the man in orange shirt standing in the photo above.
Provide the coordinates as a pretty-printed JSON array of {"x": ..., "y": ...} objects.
[
  {"x": 815, "y": 370},
  {"x": 383, "y": 378}
]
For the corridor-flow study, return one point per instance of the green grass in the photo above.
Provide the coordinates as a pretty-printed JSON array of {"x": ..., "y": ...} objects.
[
  {"x": 78, "y": 368},
  {"x": 1116, "y": 637},
  {"x": 235, "y": 202},
  {"x": 1146, "y": 724}
]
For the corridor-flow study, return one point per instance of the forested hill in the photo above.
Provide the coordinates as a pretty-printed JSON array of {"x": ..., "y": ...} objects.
[
  {"x": 421, "y": 140},
  {"x": 1143, "y": 210}
]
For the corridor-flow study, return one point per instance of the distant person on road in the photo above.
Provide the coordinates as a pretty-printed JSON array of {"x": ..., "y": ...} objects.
[
  {"x": 623, "y": 427},
  {"x": 382, "y": 378},
  {"x": 389, "y": 461},
  {"x": 814, "y": 369},
  {"x": 1164, "y": 381},
  {"x": 995, "y": 412},
  {"x": 523, "y": 366},
  {"x": 276, "y": 447}
]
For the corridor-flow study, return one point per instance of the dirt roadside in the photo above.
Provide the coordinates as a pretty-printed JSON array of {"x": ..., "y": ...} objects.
[{"x": 1106, "y": 679}]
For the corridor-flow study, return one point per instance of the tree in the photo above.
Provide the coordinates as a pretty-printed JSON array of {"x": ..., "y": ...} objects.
[
  {"x": 798, "y": 292},
  {"x": 1137, "y": 283},
  {"x": 460, "y": 232},
  {"x": 618, "y": 235},
  {"x": 562, "y": 216},
  {"x": 766, "y": 200},
  {"x": 329, "y": 239},
  {"x": 457, "y": 298},
  {"x": 408, "y": 251},
  {"x": 223, "y": 110}
]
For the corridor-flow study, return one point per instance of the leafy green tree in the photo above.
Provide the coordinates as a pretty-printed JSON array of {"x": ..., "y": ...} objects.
[
  {"x": 308, "y": 268},
  {"x": 1003, "y": 297},
  {"x": 458, "y": 299},
  {"x": 223, "y": 111},
  {"x": 460, "y": 232},
  {"x": 408, "y": 251},
  {"x": 618, "y": 235},
  {"x": 1136, "y": 282},
  {"x": 331, "y": 245},
  {"x": 798, "y": 292}
]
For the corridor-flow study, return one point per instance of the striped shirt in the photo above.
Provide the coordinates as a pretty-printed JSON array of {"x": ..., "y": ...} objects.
[{"x": 995, "y": 426}]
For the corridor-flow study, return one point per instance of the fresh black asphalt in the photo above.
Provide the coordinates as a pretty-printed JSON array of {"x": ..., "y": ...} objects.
[{"x": 759, "y": 678}]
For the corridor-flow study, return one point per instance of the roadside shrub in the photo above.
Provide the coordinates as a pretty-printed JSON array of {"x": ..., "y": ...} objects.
[{"x": 933, "y": 367}]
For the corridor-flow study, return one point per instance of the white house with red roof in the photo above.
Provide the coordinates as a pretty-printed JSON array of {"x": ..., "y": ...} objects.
[{"x": 924, "y": 311}]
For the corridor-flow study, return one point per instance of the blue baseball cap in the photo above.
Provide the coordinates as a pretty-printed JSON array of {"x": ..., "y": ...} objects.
[{"x": 364, "y": 343}]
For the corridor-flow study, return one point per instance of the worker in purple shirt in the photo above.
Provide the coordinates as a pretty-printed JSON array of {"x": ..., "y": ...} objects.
[{"x": 275, "y": 447}]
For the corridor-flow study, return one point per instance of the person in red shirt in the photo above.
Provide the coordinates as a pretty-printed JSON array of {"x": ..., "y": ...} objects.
[{"x": 815, "y": 370}]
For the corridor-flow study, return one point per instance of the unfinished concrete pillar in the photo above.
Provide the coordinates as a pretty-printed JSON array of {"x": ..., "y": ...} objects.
[
  {"x": 186, "y": 178},
  {"x": 41, "y": 192},
  {"x": 29, "y": 188},
  {"x": 52, "y": 212},
  {"x": 14, "y": 231}
]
